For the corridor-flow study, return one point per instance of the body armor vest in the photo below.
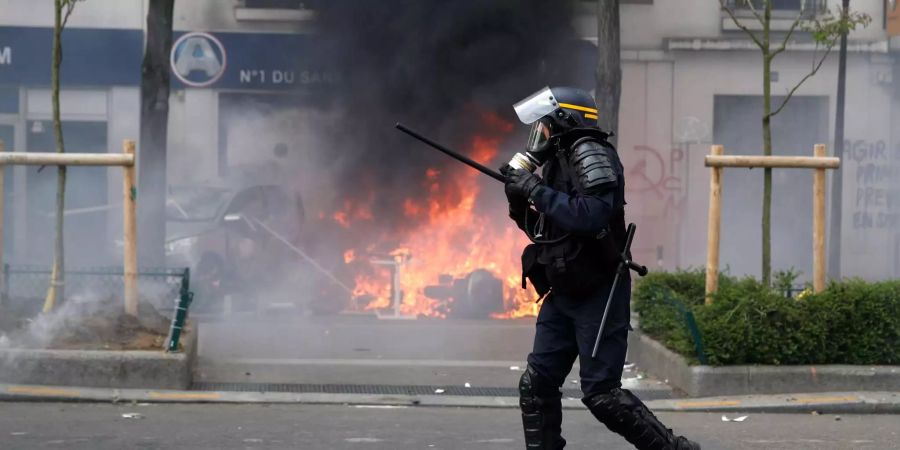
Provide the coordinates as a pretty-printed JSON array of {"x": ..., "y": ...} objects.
[{"x": 576, "y": 264}]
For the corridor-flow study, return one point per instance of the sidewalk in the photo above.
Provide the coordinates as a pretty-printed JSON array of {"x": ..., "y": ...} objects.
[
  {"x": 364, "y": 355},
  {"x": 825, "y": 403},
  {"x": 363, "y": 361}
]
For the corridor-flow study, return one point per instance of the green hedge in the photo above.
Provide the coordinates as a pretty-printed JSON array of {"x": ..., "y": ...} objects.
[{"x": 852, "y": 322}]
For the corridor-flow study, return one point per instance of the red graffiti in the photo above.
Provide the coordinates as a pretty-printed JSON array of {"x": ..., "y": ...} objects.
[{"x": 650, "y": 173}]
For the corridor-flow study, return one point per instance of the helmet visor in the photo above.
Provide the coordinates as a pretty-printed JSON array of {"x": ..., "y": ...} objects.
[
  {"x": 536, "y": 105},
  {"x": 538, "y": 137}
]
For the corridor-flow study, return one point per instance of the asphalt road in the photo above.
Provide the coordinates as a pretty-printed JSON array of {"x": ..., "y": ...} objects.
[{"x": 101, "y": 426}]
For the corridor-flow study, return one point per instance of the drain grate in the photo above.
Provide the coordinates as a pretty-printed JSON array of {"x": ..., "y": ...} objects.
[
  {"x": 379, "y": 389},
  {"x": 375, "y": 389}
]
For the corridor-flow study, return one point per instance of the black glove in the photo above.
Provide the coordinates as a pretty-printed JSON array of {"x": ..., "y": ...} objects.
[{"x": 520, "y": 184}]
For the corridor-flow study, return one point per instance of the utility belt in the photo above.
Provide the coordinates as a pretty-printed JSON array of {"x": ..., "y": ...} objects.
[{"x": 575, "y": 266}]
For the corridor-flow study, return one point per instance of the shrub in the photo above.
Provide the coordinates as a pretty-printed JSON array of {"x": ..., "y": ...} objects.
[{"x": 851, "y": 322}]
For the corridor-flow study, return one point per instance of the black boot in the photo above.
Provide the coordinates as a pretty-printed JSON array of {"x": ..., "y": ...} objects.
[
  {"x": 623, "y": 413},
  {"x": 541, "y": 406}
]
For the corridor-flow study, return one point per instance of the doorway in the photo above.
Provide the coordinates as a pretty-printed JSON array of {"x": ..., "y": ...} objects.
[{"x": 795, "y": 131}]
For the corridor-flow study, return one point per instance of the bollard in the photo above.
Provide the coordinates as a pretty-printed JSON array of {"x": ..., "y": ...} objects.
[{"x": 185, "y": 298}]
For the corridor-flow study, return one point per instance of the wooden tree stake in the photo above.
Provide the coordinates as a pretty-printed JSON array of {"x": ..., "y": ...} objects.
[
  {"x": 716, "y": 162},
  {"x": 129, "y": 224},
  {"x": 713, "y": 226},
  {"x": 819, "y": 223}
]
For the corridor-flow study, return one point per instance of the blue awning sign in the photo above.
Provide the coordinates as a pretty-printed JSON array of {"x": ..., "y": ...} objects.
[
  {"x": 198, "y": 59},
  {"x": 221, "y": 60}
]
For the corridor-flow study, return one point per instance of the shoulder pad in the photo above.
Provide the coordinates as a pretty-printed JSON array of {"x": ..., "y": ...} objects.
[{"x": 595, "y": 169}]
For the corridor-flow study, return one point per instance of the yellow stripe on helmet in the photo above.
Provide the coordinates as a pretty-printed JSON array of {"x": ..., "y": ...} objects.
[
  {"x": 578, "y": 108},
  {"x": 590, "y": 116}
]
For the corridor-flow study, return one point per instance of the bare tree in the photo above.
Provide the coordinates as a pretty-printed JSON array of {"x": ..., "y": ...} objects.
[
  {"x": 62, "y": 11},
  {"x": 825, "y": 31},
  {"x": 154, "y": 131},
  {"x": 609, "y": 66}
]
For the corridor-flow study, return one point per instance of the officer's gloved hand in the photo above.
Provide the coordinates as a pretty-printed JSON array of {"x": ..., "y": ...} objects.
[{"x": 521, "y": 184}]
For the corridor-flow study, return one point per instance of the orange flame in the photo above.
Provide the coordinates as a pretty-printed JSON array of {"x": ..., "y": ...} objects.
[{"x": 452, "y": 238}]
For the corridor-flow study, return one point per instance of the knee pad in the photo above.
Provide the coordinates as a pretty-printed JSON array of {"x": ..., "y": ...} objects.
[
  {"x": 608, "y": 406},
  {"x": 528, "y": 385},
  {"x": 541, "y": 411},
  {"x": 623, "y": 413}
]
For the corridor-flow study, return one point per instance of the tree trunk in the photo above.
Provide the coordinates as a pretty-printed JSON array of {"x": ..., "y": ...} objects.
[
  {"x": 767, "y": 149},
  {"x": 154, "y": 122},
  {"x": 834, "y": 244},
  {"x": 609, "y": 66},
  {"x": 55, "y": 292}
]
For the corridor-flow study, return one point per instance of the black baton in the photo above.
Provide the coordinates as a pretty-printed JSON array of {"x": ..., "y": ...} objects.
[
  {"x": 625, "y": 264},
  {"x": 465, "y": 160}
]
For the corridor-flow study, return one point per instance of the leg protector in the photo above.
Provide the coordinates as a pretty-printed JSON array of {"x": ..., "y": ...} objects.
[
  {"x": 623, "y": 413},
  {"x": 541, "y": 412}
]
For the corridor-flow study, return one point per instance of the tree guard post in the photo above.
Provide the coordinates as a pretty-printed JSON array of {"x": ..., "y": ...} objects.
[
  {"x": 713, "y": 226},
  {"x": 126, "y": 160},
  {"x": 717, "y": 161},
  {"x": 819, "y": 223},
  {"x": 129, "y": 230}
]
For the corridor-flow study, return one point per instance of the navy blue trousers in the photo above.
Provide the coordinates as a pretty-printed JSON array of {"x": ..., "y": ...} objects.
[{"x": 567, "y": 328}]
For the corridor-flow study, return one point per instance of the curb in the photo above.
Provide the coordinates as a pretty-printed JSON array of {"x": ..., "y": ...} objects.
[
  {"x": 102, "y": 368},
  {"x": 824, "y": 403},
  {"x": 827, "y": 403},
  {"x": 708, "y": 381}
]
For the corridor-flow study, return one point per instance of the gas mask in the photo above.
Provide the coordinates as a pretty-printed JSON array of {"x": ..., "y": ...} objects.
[
  {"x": 534, "y": 110},
  {"x": 538, "y": 149}
]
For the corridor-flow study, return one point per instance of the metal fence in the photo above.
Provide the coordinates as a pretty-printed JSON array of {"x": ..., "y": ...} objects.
[
  {"x": 167, "y": 290},
  {"x": 687, "y": 318}
]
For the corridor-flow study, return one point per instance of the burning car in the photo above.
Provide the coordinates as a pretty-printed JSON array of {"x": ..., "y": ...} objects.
[{"x": 229, "y": 238}]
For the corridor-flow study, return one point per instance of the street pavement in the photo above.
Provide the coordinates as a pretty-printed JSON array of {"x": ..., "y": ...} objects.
[
  {"x": 79, "y": 426},
  {"x": 365, "y": 350}
]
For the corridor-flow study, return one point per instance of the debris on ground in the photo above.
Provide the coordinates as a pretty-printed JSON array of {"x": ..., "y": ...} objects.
[
  {"x": 132, "y": 416},
  {"x": 736, "y": 419}
]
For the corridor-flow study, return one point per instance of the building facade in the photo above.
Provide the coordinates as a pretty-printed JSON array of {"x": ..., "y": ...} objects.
[
  {"x": 691, "y": 79},
  {"x": 697, "y": 80},
  {"x": 250, "y": 72}
]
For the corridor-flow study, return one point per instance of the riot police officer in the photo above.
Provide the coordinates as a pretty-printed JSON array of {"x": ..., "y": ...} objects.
[{"x": 574, "y": 215}]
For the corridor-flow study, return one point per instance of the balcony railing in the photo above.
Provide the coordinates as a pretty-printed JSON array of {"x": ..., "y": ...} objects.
[
  {"x": 275, "y": 10},
  {"x": 781, "y": 8}
]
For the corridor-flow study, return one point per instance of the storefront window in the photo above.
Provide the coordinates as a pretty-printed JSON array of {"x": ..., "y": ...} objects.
[
  {"x": 7, "y": 135},
  {"x": 87, "y": 202},
  {"x": 9, "y": 100}
]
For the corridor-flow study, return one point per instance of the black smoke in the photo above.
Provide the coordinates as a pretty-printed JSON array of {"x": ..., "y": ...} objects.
[{"x": 438, "y": 66}]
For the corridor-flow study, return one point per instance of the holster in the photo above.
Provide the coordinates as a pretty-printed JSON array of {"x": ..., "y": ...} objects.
[
  {"x": 534, "y": 271},
  {"x": 572, "y": 267}
]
